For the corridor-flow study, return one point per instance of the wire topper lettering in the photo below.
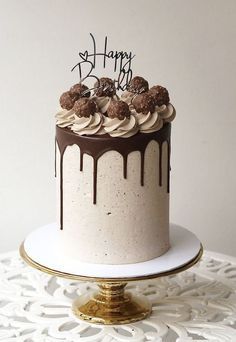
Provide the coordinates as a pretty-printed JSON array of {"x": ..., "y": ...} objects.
[{"x": 121, "y": 59}]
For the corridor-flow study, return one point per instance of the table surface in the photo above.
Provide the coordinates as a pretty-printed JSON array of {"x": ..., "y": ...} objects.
[{"x": 195, "y": 305}]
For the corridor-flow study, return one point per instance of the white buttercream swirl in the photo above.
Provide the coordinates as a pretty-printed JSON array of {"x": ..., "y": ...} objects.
[
  {"x": 148, "y": 123},
  {"x": 127, "y": 97},
  {"x": 166, "y": 112},
  {"x": 103, "y": 102},
  {"x": 153, "y": 122},
  {"x": 91, "y": 125},
  {"x": 121, "y": 128},
  {"x": 64, "y": 118}
]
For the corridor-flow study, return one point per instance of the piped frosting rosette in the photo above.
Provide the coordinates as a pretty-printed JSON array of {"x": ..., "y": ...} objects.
[
  {"x": 137, "y": 85},
  {"x": 127, "y": 97},
  {"x": 105, "y": 93},
  {"x": 87, "y": 121},
  {"x": 152, "y": 122},
  {"x": 151, "y": 107},
  {"x": 144, "y": 111},
  {"x": 103, "y": 102},
  {"x": 64, "y": 118},
  {"x": 149, "y": 122},
  {"x": 166, "y": 112},
  {"x": 91, "y": 125},
  {"x": 120, "y": 122},
  {"x": 121, "y": 128}
]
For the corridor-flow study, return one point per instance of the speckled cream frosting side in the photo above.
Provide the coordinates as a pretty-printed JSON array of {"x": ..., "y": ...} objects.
[{"x": 129, "y": 223}]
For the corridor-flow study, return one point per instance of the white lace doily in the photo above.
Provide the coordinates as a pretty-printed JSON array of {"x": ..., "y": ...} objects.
[{"x": 195, "y": 305}]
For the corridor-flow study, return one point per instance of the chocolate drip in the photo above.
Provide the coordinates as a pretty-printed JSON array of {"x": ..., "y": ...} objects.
[
  {"x": 61, "y": 190},
  {"x": 81, "y": 161},
  {"x": 96, "y": 146},
  {"x": 125, "y": 166},
  {"x": 95, "y": 172},
  {"x": 168, "y": 166},
  {"x": 55, "y": 156},
  {"x": 142, "y": 166},
  {"x": 160, "y": 164}
]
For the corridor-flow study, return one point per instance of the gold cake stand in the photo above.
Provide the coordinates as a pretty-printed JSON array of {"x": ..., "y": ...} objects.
[{"x": 111, "y": 304}]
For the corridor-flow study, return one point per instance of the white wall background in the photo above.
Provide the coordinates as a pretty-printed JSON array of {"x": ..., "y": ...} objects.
[{"x": 189, "y": 46}]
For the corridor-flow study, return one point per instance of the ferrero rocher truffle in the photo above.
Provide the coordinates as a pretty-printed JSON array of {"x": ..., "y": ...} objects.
[
  {"x": 79, "y": 89},
  {"x": 144, "y": 103},
  {"x": 105, "y": 87},
  {"x": 138, "y": 85},
  {"x": 118, "y": 109},
  {"x": 67, "y": 100},
  {"x": 84, "y": 107},
  {"x": 160, "y": 95}
]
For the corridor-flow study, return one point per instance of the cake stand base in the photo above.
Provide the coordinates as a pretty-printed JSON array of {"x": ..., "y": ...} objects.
[{"x": 112, "y": 304}]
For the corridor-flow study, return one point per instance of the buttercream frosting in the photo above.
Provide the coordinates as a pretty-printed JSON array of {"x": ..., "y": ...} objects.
[
  {"x": 64, "y": 118},
  {"x": 121, "y": 128},
  {"x": 127, "y": 97},
  {"x": 166, "y": 112},
  {"x": 88, "y": 125},
  {"x": 103, "y": 102},
  {"x": 150, "y": 122}
]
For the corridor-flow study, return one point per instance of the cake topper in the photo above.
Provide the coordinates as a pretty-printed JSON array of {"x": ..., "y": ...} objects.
[{"x": 121, "y": 64}]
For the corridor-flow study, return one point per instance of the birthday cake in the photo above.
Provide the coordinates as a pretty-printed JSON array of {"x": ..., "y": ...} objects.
[{"x": 113, "y": 171}]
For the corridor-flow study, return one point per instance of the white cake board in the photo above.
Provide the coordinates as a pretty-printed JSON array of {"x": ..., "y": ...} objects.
[{"x": 43, "y": 249}]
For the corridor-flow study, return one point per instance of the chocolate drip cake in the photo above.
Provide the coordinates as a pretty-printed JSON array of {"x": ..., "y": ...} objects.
[{"x": 112, "y": 169}]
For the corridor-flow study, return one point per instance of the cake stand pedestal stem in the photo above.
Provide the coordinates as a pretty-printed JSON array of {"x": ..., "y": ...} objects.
[
  {"x": 111, "y": 305},
  {"x": 111, "y": 292}
]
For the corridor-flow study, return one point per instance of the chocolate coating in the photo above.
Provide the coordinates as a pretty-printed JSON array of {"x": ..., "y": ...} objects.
[
  {"x": 78, "y": 89},
  {"x": 118, "y": 109},
  {"x": 84, "y": 107},
  {"x": 67, "y": 100},
  {"x": 160, "y": 95},
  {"x": 105, "y": 87},
  {"x": 138, "y": 85},
  {"x": 144, "y": 103}
]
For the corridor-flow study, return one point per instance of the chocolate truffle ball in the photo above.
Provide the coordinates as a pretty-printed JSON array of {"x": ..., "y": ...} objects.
[
  {"x": 67, "y": 100},
  {"x": 105, "y": 87},
  {"x": 118, "y": 109},
  {"x": 78, "y": 89},
  {"x": 144, "y": 103},
  {"x": 160, "y": 95},
  {"x": 138, "y": 85},
  {"x": 84, "y": 107}
]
